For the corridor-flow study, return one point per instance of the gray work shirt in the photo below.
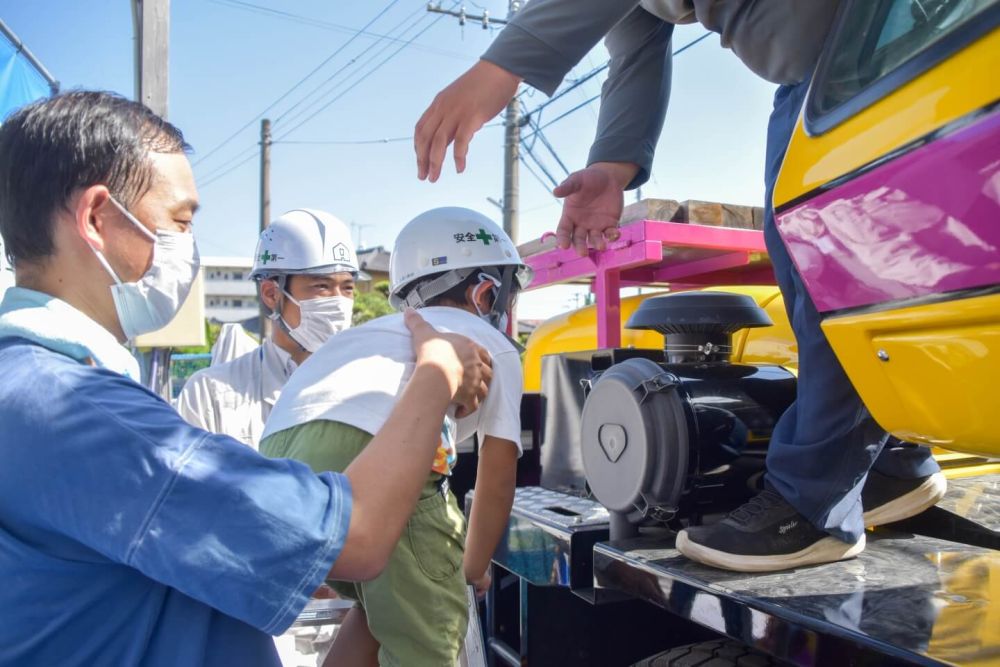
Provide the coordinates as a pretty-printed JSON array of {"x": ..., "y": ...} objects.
[{"x": 778, "y": 39}]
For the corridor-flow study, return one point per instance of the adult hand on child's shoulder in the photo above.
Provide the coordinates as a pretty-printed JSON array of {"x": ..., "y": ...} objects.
[{"x": 465, "y": 365}]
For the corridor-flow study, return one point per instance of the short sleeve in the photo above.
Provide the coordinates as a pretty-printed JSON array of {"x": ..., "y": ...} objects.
[
  {"x": 501, "y": 411},
  {"x": 128, "y": 478}
]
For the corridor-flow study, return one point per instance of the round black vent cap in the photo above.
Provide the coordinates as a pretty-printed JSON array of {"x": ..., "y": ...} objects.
[{"x": 699, "y": 312}]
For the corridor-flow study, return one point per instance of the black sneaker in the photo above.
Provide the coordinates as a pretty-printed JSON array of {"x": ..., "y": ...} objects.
[
  {"x": 887, "y": 499},
  {"x": 764, "y": 535}
]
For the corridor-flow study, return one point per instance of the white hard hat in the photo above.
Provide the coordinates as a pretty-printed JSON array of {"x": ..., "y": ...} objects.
[
  {"x": 305, "y": 241},
  {"x": 446, "y": 240}
]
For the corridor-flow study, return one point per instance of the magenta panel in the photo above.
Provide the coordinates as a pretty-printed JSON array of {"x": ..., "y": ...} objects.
[{"x": 925, "y": 223}]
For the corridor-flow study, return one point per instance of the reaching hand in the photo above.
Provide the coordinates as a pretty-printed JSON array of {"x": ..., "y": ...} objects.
[
  {"x": 593, "y": 205},
  {"x": 465, "y": 365},
  {"x": 457, "y": 113}
]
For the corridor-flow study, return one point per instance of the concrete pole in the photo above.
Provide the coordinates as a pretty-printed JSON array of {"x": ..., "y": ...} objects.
[
  {"x": 511, "y": 170},
  {"x": 265, "y": 206},
  {"x": 151, "y": 20},
  {"x": 152, "y": 38}
]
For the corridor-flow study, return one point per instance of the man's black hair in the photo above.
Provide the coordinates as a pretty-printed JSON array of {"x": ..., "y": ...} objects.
[{"x": 51, "y": 148}]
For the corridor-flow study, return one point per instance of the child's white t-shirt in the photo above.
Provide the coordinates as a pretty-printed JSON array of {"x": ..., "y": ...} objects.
[{"x": 357, "y": 375}]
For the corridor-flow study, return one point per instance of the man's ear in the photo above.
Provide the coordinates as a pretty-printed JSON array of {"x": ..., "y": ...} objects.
[
  {"x": 91, "y": 214},
  {"x": 269, "y": 294}
]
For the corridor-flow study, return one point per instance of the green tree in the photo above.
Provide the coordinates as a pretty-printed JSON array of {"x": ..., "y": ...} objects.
[{"x": 369, "y": 305}]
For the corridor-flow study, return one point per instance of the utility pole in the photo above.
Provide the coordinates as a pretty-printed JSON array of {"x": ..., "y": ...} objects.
[
  {"x": 511, "y": 159},
  {"x": 511, "y": 164},
  {"x": 151, "y": 25},
  {"x": 512, "y": 132},
  {"x": 151, "y": 20},
  {"x": 512, "y": 121},
  {"x": 265, "y": 206}
]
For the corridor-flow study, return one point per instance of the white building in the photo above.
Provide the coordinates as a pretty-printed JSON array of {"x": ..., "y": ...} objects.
[{"x": 230, "y": 295}]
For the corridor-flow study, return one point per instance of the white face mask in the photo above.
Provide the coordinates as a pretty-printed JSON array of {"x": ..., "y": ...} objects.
[
  {"x": 150, "y": 303},
  {"x": 319, "y": 319}
]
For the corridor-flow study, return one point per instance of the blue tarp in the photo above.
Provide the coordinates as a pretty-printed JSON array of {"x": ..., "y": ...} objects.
[{"x": 20, "y": 82}]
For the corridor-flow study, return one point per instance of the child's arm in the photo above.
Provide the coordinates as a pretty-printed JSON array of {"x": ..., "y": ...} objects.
[{"x": 495, "y": 480}]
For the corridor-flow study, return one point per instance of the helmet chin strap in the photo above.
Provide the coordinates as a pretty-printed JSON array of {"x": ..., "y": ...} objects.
[
  {"x": 503, "y": 294},
  {"x": 500, "y": 300},
  {"x": 421, "y": 294},
  {"x": 275, "y": 316}
]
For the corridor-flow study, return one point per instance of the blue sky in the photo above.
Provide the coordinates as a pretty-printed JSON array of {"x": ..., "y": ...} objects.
[{"x": 229, "y": 61}]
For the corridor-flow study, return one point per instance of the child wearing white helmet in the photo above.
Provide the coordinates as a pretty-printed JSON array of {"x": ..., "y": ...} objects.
[
  {"x": 463, "y": 273},
  {"x": 306, "y": 267}
]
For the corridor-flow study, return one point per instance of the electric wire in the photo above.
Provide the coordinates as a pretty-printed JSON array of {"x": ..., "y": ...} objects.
[{"x": 301, "y": 81}]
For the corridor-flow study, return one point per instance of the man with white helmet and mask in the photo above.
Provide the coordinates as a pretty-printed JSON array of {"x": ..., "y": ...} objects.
[
  {"x": 463, "y": 273},
  {"x": 306, "y": 267}
]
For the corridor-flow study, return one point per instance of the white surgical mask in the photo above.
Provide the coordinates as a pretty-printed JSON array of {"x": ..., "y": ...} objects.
[
  {"x": 151, "y": 302},
  {"x": 319, "y": 319}
]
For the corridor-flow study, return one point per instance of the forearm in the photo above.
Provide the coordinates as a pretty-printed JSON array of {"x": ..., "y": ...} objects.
[
  {"x": 495, "y": 482},
  {"x": 635, "y": 95},
  {"x": 490, "y": 512},
  {"x": 547, "y": 38},
  {"x": 384, "y": 495}
]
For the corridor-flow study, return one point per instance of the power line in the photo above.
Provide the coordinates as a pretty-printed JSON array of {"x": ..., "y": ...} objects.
[
  {"x": 534, "y": 120},
  {"x": 545, "y": 142},
  {"x": 483, "y": 19},
  {"x": 251, "y": 150},
  {"x": 244, "y": 156},
  {"x": 359, "y": 142},
  {"x": 392, "y": 55},
  {"x": 331, "y": 26},
  {"x": 311, "y": 94},
  {"x": 288, "y": 92},
  {"x": 387, "y": 140},
  {"x": 579, "y": 82},
  {"x": 558, "y": 118},
  {"x": 546, "y": 186},
  {"x": 236, "y": 162},
  {"x": 585, "y": 78},
  {"x": 221, "y": 175}
]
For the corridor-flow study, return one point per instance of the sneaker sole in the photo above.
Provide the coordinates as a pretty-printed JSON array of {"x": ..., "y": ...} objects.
[
  {"x": 826, "y": 550},
  {"x": 909, "y": 504}
]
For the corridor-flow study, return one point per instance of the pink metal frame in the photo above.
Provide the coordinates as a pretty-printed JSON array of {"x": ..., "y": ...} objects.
[{"x": 727, "y": 256}]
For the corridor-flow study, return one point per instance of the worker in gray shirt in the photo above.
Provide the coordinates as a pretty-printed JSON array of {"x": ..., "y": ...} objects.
[{"x": 830, "y": 469}]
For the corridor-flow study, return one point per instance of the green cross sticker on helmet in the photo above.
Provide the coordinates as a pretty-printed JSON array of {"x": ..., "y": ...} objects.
[
  {"x": 305, "y": 241},
  {"x": 266, "y": 257},
  {"x": 466, "y": 238}
]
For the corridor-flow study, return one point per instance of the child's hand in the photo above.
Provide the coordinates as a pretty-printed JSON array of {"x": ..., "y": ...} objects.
[{"x": 481, "y": 585}]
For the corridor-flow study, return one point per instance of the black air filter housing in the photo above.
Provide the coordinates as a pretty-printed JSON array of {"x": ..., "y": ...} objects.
[{"x": 698, "y": 326}]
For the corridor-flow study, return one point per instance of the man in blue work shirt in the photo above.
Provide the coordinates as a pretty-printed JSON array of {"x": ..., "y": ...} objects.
[
  {"x": 127, "y": 536},
  {"x": 830, "y": 469}
]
